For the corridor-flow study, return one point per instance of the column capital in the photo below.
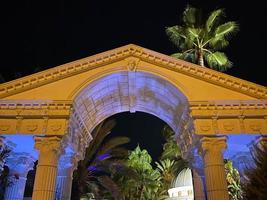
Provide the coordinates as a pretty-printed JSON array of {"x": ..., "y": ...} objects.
[
  {"x": 20, "y": 163},
  {"x": 218, "y": 143},
  {"x": 47, "y": 143}
]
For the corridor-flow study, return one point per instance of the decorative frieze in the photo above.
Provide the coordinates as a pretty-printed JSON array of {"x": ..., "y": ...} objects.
[
  {"x": 229, "y": 117},
  {"x": 34, "y": 117}
]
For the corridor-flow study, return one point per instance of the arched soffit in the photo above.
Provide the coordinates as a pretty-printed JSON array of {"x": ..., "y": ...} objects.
[
  {"x": 155, "y": 71},
  {"x": 130, "y": 91}
]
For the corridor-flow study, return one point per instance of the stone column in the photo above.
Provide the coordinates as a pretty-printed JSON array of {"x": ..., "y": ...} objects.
[
  {"x": 19, "y": 165},
  {"x": 46, "y": 173},
  {"x": 64, "y": 178},
  {"x": 198, "y": 186},
  {"x": 216, "y": 185}
]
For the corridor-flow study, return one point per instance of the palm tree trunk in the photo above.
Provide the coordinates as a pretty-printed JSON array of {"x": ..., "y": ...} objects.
[
  {"x": 141, "y": 192},
  {"x": 200, "y": 58}
]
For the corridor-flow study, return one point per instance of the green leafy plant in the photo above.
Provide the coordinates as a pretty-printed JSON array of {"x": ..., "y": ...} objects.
[
  {"x": 199, "y": 39},
  {"x": 102, "y": 157},
  {"x": 143, "y": 181},
  {"x": 171, "y": 162},
  {"x": 233, "y": 181}
]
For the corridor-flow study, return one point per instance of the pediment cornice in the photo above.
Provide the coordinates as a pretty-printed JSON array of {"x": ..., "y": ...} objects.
[{"x": 98, "y": 60}]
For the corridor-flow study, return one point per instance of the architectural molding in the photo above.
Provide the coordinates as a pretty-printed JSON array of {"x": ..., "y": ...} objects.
[
  {"x": 228, "y": 117},
  {"x": 213, "y": 144},
  {"x": 48, "y": 144},
  {"x": 142, "y": 54},
  {"x": 34, "y": 117}
]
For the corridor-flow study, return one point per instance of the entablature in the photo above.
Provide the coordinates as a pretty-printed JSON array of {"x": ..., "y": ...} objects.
[
  {"x": 229, "y": 117},
  {"x": 34, "y": 117}
]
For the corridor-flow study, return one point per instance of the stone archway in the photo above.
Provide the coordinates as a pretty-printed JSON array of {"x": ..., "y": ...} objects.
[
  {"x": 53, "y": 106},
  {"x": 126, "y": 91}
]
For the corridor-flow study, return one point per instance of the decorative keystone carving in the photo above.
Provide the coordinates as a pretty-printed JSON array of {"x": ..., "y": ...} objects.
[{"x": 132, "y": 63}]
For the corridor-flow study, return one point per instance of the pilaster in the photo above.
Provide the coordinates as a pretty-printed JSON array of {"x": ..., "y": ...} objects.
[
  {"x": 46, "y": 173},
  {"x": 216, "y": 185}
]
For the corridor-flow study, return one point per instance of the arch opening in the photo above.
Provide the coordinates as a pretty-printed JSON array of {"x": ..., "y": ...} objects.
[{"x": 131, "y": 91}]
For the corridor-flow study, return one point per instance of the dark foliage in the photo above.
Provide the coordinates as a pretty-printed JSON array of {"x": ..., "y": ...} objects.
[{"x": 256, "y": 178}]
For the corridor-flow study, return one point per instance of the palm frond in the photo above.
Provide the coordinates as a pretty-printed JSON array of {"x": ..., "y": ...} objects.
[
  {"x": 226, "y": 30},
  {"x": 213, "y": 19},
  {"x": 190, "y": 16},
  {"x": 110, "y": 185},
  {"x": 218, "y": 43},
  {"x": 100, "y": 132},
  {"x": 218, "y": 61},
  {"x": 177, "y": 55},
  {"x": 176, "y": 35},
  {"x": 112, "y": 143}
]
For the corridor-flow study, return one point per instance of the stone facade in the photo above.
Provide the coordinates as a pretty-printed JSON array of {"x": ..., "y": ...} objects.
[{"x": 61, "y": 106}]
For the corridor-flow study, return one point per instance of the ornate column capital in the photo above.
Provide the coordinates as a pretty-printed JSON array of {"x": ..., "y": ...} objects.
[
  {"x": 47, "y": 143},
  {"x": 217, "y": 143},
  {"x": 20, "y": 163}
]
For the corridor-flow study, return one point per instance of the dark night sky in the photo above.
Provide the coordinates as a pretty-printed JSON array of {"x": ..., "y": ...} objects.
[{"x": 37, "y": 35}]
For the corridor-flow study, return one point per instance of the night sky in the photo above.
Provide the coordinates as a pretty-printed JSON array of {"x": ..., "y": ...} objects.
[{"x": 37, "y": 36}]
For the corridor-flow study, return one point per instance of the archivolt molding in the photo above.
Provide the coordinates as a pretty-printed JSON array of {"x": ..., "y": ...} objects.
[
  {"x": 185, "y": 137},
  {"x": 143, "y": 54},
  {"x": 34, "y": 117},
  {"x": 229, "y": 117}
]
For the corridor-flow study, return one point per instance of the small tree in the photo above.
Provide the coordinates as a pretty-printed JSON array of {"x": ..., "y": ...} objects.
[
  {"x": 142, "y": 181},
  {"x": 255, "y": 186}
]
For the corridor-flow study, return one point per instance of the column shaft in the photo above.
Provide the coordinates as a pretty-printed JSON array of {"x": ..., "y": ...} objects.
[
  {"x": 15, "y": 191},
  {"x": 64, "y": 184},
  {"x": 198, "y": 187},
  {"x": 46, "y": 173},
  {"x": 215, "y": 176}
]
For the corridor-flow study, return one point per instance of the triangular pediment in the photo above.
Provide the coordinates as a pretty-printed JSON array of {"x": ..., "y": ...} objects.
[{"x": 96, "y": 61}]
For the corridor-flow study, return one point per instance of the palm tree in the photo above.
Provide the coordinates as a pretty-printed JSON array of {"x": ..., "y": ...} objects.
[
  {"x": 255, "y": 186},
  {"x": 198, "y": 40},
  {"x": 101, "y": 158},
  {"x": 172, "y": 152},
  {"x": 142, "y": 181},
  {"x": 171, "y": 162}
]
